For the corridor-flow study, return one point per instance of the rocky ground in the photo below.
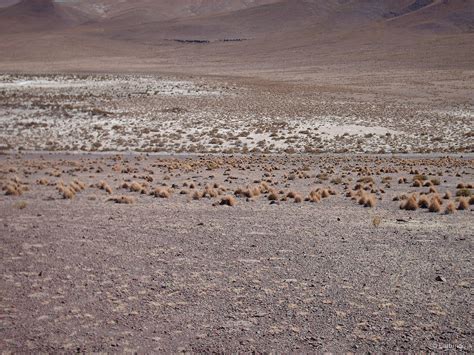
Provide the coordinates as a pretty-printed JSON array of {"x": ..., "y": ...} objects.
[
  {"x": 227, "y": 115},
  {"x": 125, "y": 253}
]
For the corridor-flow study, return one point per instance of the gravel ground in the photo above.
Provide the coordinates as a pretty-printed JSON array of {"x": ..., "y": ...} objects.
[{"x": 177, "y": 274}]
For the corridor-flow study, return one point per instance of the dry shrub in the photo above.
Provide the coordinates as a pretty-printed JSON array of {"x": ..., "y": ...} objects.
[
  {"x": 42, "y": 182},
  {"x": 291, "y": 194},
  {"x": 376, "y": 221},
  {"x": 410, "y": 204},
  {"x": 464, "y": 192},
  {"x": 68, "y": 193},
  {"x": 423, "y": 202},
  {"x": 136, "y": 187},
  {"x": 126, "y": 200},
  {"x": 433, "y": 190},
  {"x": 298, "y": 199},
  {"x": 435, "y": 205},
  {"x": 460, "y": 186},
  {"x": 370, "y": 201},
  {"x": 79, "y": 184},
  {"x": 273, "y": 196},
  {"x": 162, "y": 192},
  {"x": 417, "y": 183},
  {"x": 463, "y": 204},
  {"x": 325, "y": 193},
  {"x": 447, "y": 195},
  {"x": 450, "y": 208},
  {"x": 209, "y": 192},
  {"x": 471, "y": 200},
  {"x": 228, "y": 201},
  {"x": 314, "y": 196},
  {"x": 196, "y": 195},
  {"x": 362, "y": 199},
  {"x": 21, "y": 205},
  {"x": 12, "y": 190}
]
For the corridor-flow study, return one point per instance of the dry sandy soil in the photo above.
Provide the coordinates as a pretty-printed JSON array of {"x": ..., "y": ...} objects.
[{"x": 136, "y": 253}]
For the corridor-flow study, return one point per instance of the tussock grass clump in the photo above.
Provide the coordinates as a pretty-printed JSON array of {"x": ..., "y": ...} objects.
[
  {"x": 103, "y": 185},
  {"x": 450, "y": 208},
  {"x": 43, "y": 182},
  {"x": 125, "y": 200},
  {"x": 209, "y": 192},
  {"x": 464, "y": 192},
  {"x": 417, "y": 183},
  {"x": 273, "y": 196},
  {"x": 376, "y": 221},
  {"x": 463, "y": 204},
  {"x": 298, "y": 198},
  {"x": 370, "y": 201},
  {"x": 136, "y": 187},
  {"x": 21, "y": 205},
  {"x": 314, "y": 196},
  {"x": 228, "y": 201},
  {"x": 12, "y": 190},
  {"x": 367, "y": 180},
  {"x": 447, "y": 195},
  {"x": 471, "y": 200},
  {"x": 435, "y": 205},
  {"x": 196, "y": 195},
  {"x": 162, "y": 192},
  {"x": 410, "y": 204},
  {"x": 68, "y": 193},
  {"x": 325, "y": 193},
  {"x": 423, "y": 202}
]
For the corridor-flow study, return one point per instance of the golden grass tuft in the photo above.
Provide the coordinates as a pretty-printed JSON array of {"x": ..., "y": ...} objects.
[
  {"x": 410, "y": 204},
  {"x": 13, "y": 190},
  {"x": 450, "y": 208},
  {"x": 325, "y": 193},
  {"x": 370, "y": 201},
  {"x": 68, "y": 193},
  {"x": 196, "y": 195},
  {"x": 435, "y": 205},
  {"x": 471, "y": 200},
  {"x": 298, "y": 198},
  {"x": 272, "y": 196},
  {"x": 447, "y": 195},
  {"x": 423, "y": 202},
  {"x": 42, "y": 182},
  {"x": 162, "y": 192},
  {"x": 463, "y": 204},
  {"x": 228, "y": 201},
  {"x": 314, "y": 196},
  {"x": 125, "y": 200},
  {"x": 21, "y": 205},
  {"x": 376, "y": 221},
  {"x": 136, "y": 187}
]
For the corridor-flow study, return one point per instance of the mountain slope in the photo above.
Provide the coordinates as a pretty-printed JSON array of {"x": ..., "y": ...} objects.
[{"x": 39, "y": 15}]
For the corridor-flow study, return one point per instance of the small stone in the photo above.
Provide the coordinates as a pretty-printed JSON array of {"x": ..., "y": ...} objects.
[{"x": 440, "y": 278}]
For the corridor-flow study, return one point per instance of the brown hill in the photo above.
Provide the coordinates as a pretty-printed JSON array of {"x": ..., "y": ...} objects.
[
  {"x": 38, "y": 15},
  {"x": 288, "y": 35}
]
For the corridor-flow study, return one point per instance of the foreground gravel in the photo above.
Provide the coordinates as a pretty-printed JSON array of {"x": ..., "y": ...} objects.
[{"x": 177, "y": 275}]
